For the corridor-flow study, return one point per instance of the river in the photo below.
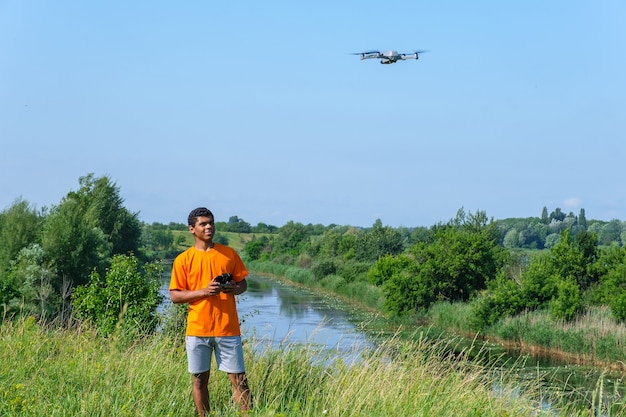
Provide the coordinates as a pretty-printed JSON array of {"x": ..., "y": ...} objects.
[{"x": 279, "y": 315}]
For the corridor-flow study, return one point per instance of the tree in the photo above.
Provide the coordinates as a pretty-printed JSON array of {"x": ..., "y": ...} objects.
[
  {"x": 102, "y": 205},
  {"x": 381, "y": 241},
  {"x": 568, "y": 301},
  {"x": 544, "y": 216},
  {"x": 256, "y": 248},
  {"x": 582, "y": 219},
  {"x": 20, "y": 226},
  {"x": 87, "y": 227},
  {"x": 291, "y": 239},
  {"x": 610, "y": 232},
  {"x": 575, "y": 258},
  {"x": 264, "y": 228},
  {"x": 456, "y": 265},
  {"x": 557, "y": 215},
  {"x": 237, "y": 225},
  {"x": 72, "y": 244},
  {"x": 32, "y": 280},
  {"x": 388, "y": 266},
  {"x": 511, "y": 239},
  {"x": 612, "y": 288}
]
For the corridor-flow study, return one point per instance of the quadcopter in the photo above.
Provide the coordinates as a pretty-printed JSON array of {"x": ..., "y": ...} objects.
[{"x": 388, "y": 57}]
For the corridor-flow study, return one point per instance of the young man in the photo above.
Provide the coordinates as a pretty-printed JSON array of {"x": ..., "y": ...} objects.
[{"x": 212, "y": 321}]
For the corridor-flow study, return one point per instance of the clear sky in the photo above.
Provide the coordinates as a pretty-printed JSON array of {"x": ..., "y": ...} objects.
[{"x": 259, "y": 110}]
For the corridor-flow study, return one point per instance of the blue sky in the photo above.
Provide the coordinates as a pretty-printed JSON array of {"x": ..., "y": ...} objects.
[{"x": 257, "y": 109}]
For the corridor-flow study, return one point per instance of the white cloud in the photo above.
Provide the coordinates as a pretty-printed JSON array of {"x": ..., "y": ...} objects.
[{"x": 572, "y": 202}]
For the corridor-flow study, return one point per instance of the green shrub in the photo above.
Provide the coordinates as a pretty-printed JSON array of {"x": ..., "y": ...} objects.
[
  {"x": 618, "y": 305},
  {"x": 386, "y": 266},
  {"x": 568, "y": 302},
  {"x": 354, "y": 271},
  {"x": 322, "y": 268},
  {"x": 299, "y": 275},
  {"x": 127, "y": 296},
  {"x": 333, "y": 283}
]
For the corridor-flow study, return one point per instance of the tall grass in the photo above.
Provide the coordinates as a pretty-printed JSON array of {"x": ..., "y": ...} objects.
[
  {"x": 72, "y": 372},
  {"x": 594, "y": 337}
]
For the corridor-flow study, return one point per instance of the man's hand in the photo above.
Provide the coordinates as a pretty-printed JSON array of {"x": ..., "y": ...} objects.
[
  {"x": 228, "y": 288},
  {"x": 214, "y": 287}
]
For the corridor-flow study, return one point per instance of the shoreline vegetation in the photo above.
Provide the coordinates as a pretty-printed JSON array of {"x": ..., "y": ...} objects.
[
  {"x": 594, "y": 339},
  {"x": 54, "y": 371}
]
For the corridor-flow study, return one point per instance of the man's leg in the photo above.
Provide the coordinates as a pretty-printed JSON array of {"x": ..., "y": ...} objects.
[
  {"x": 241, "y": 391},
  {"x": 201, "y": 392}
]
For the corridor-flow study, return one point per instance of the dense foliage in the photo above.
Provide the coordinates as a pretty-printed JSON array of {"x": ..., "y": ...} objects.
[
  {"x": 47, "y": 255},
  {"x": 127, "y": 296},
  {"x": 557, "y": 262},
  {"x": 464, "y": 260},
  {"x": 456, "y": 263}
]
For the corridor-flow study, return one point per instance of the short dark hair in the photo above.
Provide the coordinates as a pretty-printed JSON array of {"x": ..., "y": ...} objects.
[{"x": 198, "y": 212}]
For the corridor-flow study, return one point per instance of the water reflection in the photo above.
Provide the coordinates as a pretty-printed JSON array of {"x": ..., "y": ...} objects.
[{"x": 281, "y": 315}]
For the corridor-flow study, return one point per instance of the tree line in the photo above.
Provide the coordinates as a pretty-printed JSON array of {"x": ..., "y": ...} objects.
[
  {"x": 463, "y": 260},
  {"x": 91, "y": 259}
]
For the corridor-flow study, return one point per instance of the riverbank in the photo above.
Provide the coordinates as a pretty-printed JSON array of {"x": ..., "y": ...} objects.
[{"x": 594, "y": 339}]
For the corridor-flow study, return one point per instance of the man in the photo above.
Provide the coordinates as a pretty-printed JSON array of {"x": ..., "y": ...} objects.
[{"x": 212, "y": 321}]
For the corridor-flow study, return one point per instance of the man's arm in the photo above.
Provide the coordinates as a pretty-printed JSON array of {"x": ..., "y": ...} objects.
[
  {"x": 186, "y": 296},
  {"x": 214, "y": 288}
]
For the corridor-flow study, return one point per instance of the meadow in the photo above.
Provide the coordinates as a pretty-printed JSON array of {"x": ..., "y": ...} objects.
[{"x": 52, "y": 371}]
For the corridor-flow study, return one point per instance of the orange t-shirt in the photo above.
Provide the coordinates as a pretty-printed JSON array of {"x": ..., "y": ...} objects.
[{"x": 194, "y": 269}]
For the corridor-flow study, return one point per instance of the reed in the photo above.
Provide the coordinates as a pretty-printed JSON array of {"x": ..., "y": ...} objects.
[
  {"x": 594, "y": 337},
  {"x": 47, "y": 371}
]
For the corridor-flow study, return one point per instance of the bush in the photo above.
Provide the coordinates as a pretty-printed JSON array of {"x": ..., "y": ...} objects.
[
  {"x": 333, "y": 283},
  {"x": 618, "y": 306},
  {"x": 354, "y": 271},
  {"x": 568, "y": 302},
  {"x": 323, "y": 267},
  {"x": 127, "y": 297}
]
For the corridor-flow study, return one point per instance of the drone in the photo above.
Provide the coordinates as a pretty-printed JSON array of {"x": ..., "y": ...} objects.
[{"x": 388, "y": 57}]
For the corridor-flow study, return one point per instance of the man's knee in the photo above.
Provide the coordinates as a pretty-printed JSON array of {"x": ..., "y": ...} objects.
[
  {"x": 240, "y": 381},
  {"x": 201, "y": 379}
]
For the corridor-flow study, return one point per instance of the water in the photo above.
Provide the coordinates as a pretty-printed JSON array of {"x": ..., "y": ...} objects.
[{"x": 279, "y": 315}]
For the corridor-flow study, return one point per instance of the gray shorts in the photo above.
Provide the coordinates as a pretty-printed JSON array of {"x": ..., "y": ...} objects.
[{"x": 228, "y": 354}]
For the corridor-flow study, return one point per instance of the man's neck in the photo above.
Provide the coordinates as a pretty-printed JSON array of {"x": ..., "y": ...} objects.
[{"x": 204, "y": 245}]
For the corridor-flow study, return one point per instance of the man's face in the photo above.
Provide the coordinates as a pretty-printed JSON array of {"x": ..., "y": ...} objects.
[{"x": 204, "y": 229}]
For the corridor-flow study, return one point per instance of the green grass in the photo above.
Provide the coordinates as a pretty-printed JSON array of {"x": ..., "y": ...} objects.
[
  {"x": 594, "y": 337},
  {"x": 47, "y": 371}
]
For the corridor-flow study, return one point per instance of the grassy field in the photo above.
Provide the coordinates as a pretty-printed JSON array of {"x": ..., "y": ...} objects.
[{"x": 72, "y": 372}]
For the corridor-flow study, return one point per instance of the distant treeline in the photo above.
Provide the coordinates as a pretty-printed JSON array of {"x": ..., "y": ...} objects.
[
  {"x": 89, "y": 251},
  {"x": 525, "y": 233}
]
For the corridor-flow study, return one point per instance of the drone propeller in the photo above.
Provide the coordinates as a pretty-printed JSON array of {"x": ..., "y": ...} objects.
[{"x": 365, "y": 53}]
